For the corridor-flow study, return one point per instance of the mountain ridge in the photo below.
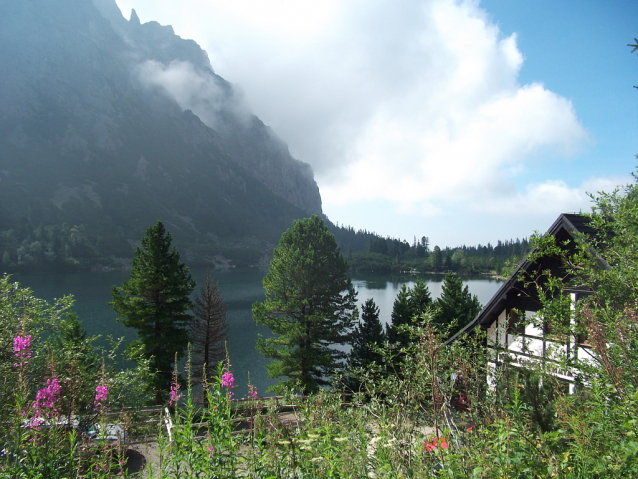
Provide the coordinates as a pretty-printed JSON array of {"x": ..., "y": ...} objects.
[{"x": 109, "y": 125}]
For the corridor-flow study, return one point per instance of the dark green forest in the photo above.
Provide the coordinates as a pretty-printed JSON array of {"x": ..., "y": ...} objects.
[
  {"x": 65, "y": 247},
  {"x": 370, "y": 252}
]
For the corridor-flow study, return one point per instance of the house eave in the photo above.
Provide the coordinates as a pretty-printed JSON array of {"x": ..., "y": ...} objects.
[{"x": 574, "y": 225}]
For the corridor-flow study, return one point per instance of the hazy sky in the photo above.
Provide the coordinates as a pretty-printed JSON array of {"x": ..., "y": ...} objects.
[{"x": 463, "y": 121}]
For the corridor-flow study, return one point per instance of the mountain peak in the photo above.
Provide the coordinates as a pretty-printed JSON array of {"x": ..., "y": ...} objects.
[{"x": 135, "y": 20}]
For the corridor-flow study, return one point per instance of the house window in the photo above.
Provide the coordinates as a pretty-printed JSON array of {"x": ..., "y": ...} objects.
[{"x": 515, "y": 323}]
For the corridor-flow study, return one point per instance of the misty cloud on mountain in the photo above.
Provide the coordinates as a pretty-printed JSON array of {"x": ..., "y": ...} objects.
[{"x": 200, "y": 92}]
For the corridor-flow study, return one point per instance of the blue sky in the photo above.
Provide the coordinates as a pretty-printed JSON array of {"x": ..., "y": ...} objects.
[
  {"x": 467, "y": 122},
  {"x": 576, "y": 50}
]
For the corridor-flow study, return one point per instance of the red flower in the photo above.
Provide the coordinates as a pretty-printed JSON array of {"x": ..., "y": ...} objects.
[{"x": 435, "y": 444}]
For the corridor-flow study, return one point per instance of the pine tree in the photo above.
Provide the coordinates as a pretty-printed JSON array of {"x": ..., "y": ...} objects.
[
  {"x": 436, "y": 259},
  {"x": 309, "y": 306},
  {"x": 155, "y": 302},
  {"x": 209, "y": 330},
  {"x": 409, "y": 303},
  {"x": 455, "y": 304},
  {"x": 368, "y": 332},
  {"x": 401, "y": 314},
  {"x": 420, "y": 297},
  {"x": 447, "y": 263}
]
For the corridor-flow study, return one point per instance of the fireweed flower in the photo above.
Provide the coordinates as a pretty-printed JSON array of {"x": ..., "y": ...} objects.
[
  {"x": 46, "y": 399},
  {"x": 252, "y": 392},
  {"x": 101, "y": 395},
  {"x": 22, "y": 349},
  {"x": 175, "y": 395},
  {"x": 228, "y": 382}
]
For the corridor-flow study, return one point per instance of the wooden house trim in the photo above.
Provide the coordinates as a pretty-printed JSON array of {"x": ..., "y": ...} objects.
[{"x": 514, "y": 295}]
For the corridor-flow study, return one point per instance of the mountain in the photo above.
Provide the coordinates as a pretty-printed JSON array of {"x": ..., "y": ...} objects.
[{"x": 109, "y": 125}]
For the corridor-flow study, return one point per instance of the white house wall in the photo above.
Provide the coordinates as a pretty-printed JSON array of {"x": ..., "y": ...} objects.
[
  {"x": 533, "y": 326},
  {"x": 533, "y": 347}
]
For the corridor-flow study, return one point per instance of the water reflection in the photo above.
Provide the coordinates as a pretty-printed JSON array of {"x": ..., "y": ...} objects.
[
  {"x": 240, "y": 289},
  {"x": 384, "y": 288}
]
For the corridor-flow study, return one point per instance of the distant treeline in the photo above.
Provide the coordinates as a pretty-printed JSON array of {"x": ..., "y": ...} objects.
[
  {"x": 48, "y": 248},
  {"x": 370, "y": 252},
  {"x": 66, "y": 247}
]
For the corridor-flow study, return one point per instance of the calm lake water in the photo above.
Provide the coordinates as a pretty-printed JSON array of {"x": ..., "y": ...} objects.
[{"x": 240, "y": 288}]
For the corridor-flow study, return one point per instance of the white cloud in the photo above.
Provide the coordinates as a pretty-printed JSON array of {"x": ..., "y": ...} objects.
[
  {"x": 466, "y": 154},
  {"x": 549, "y": 198},
  {"x": 198, "y": 91},
  {"x": 540, "y": 199},
  {"x": 413, "y": 103},
  {"x": 607, "y": 184}
]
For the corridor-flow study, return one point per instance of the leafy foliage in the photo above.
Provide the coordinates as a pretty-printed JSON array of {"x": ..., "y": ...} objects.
[{"x": 49, "y": 390}]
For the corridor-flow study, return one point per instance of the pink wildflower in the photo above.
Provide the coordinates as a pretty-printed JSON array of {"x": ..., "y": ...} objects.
[
  {"x": 211, "y": 449},
  {"x": 47, "y": 398},
  {"x": 228, "y": 381},
  {"x": 101, "y": 395},
  {"x": 252, "y": 392},
  {"x": 22, "y": 349},
  {"x": 175, "y": 396}
]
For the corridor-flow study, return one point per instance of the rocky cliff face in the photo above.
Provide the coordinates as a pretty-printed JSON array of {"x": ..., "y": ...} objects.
[
  {"x": 111, "y": 125},
  {"x": 252, "y": 144}
]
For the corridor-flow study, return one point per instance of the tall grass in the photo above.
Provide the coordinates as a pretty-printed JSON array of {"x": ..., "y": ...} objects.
[{"x": 401, "y": 423}]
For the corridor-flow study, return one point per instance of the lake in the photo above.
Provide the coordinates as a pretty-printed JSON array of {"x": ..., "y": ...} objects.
[{"x": 240, "y": 288}]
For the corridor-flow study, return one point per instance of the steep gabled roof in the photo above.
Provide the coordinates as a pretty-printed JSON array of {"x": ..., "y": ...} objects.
[{"x": 567, "y": 226}]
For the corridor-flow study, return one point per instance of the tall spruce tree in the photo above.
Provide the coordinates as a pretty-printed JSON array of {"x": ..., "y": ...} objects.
[
  {"x": 209, "y": 330},
  {"x": 436, "y": 259},
  {"x": 368, "y": 332},
  {"x": 309, "y": 306},
  {"x": 155, "y": 302},
  {"x": 409, "y": 303},
  {"x": 456, "y": 303}
]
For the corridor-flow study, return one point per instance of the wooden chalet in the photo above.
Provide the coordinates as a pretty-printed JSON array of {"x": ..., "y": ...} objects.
[{"x": 513, "y": 330}]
